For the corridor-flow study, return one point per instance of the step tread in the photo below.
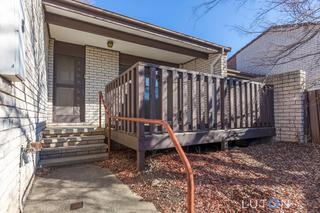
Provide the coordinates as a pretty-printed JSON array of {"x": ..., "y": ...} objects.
[
  {"x": 71, "y": 129},
  {"x": 73, "y": 138},
  {"x": 97, "y": 145},
  {"x": 73, "y": 159}
]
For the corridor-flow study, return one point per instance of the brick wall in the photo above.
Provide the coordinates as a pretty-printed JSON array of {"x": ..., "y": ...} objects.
[
  {"x": 23, "y": 113},
  {"x": 102, "y": 66},
  {"x": 50, "y": 80},
  {"x": 216, "y": 64},
  {"x": 289, "y": 105}
]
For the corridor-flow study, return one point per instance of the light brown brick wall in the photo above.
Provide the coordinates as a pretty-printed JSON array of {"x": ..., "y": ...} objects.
[
  {"x": 289, "y": 105},
  {"x": 23, "y": 112},
  {"x": 102, "y": 66},
  {"x": 216, "y": 64}
]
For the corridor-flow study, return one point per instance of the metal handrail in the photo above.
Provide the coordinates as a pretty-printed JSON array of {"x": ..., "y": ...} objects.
[{"x": 182, "y": 155}]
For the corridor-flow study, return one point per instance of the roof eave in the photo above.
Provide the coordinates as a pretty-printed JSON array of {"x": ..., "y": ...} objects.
[{"x": 92, "y": 10}]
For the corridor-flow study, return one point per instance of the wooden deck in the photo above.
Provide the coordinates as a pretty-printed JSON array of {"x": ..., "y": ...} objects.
[{"x": 201, "y": 108}]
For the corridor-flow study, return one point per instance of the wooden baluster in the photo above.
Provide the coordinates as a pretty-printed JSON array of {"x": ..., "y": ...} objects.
[
  {"x": 210, "y": 103},
  {"x": 219, "y": 102},
  {"x": 130, "y": 101},
  {"x": 123, "y": 111},
  {"x": 248, "y": 108},
  {"x": 252, "y": 100},
  {"x": 152, "y": 96},
  {"x": 117, "y": 95},
  {"x": 175, "y": 112},
  {"x": 164, "y": 95},
  {"x": 224, "y": 103},
  {"x": 263, "y": 106},
  {"x": 134, "y": 94},
  {"x": 185, "y": 101},
  {"x": 214, "y": 104},
  {"x": 241, "y": 104},
  {"x": 194, "y": 103},
  {"x": 246, "y": 102},
  {"x": 203, "y": 102},
  {"x": 231, "y": 104},
  {"x": 121, "y": 102},
  {"x": 258, "y": 105},
  {"x": 127, "y": 105},
  {"x": 256, "y": 98},
  {"x": 236, "y": 104},
  {"x": 112, "y": 99}
]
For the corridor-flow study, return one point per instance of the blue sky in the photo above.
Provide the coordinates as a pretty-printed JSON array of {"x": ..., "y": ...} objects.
[{"x": 216, "y": 26}]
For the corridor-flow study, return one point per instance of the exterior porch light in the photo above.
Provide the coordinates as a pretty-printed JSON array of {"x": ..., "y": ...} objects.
[{"x": 110, "y": 43}]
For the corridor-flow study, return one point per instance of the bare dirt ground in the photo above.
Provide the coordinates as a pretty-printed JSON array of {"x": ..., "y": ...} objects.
[{"x": 277, "y": 177}]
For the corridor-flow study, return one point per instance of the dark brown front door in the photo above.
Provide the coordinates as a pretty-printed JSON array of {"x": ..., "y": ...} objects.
[{"x": 69, "y": 84}]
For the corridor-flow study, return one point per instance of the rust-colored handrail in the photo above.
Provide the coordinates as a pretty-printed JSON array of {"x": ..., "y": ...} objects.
[{"x": 182, "y": 155}]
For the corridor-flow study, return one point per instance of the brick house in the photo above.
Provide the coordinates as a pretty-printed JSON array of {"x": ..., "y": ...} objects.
[
  {"x": 60, "y": 54},
  {"x": 253, "y": 57},
  {"x": 56, "y": 55}
]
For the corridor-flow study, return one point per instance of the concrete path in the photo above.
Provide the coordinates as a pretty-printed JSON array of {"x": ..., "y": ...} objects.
[{"x": 98, "y": 188}]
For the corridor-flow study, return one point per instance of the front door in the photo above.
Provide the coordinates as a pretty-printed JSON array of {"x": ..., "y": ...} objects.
[{"x": 69, "y": 89}]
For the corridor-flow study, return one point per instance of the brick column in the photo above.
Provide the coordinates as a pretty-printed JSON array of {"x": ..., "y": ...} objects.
[
  {"x": 50, "y": 80},
  {"x": 289, "y": 105},
  {"x": 102, "y": 66}
]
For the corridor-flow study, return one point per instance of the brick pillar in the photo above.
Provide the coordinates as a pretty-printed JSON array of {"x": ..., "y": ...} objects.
[
  {"x": 50, "y": 80},
  {"x": 289, "y": 105}
]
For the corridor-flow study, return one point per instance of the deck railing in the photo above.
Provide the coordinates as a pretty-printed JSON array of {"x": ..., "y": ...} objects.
[{"x": 189, "y": 101}]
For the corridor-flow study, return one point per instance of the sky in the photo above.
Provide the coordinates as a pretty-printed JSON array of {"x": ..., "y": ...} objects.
[{"x": 217, "y": 26}]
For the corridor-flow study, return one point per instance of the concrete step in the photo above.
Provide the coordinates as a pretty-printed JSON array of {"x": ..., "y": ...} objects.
[
  {"x": 71, "y": 143},
  {"x": 71, "y": 131},
  {"x": 73, "y": 160},
  {"x": 73, "y": 139},
  {"x": 59, "y": 152}
]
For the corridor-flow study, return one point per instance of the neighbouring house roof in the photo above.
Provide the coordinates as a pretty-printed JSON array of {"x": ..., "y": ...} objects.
[
  {"x": 242, "y": 75},
  {"x": 81, "y": 16},
  {"x": 275, "y": 28}
]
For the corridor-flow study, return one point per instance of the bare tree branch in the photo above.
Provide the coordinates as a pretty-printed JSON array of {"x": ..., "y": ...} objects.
[{"x": 300, "y": 18}]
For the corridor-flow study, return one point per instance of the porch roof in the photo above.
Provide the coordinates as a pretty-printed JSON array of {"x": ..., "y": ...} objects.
[{"x": 79, "y": 23}]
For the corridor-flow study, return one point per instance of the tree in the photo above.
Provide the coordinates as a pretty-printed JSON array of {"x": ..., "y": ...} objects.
[{"x": 277, "y": 16}]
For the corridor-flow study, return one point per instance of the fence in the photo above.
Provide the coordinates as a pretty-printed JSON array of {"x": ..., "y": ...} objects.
[{"x": 313, "y": 115}]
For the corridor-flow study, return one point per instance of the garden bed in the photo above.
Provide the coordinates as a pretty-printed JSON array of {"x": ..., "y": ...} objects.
[{"x": 279, "y": 176}]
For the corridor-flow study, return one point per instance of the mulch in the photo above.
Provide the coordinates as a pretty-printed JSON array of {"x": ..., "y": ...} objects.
[{"x": 277, "y": 177}]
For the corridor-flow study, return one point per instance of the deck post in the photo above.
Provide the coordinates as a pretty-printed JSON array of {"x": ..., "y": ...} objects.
[
  {"x": 140, "y": 160},
  {"x": 140, "y": 85},
  {"x": 224, "y": 145}
]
